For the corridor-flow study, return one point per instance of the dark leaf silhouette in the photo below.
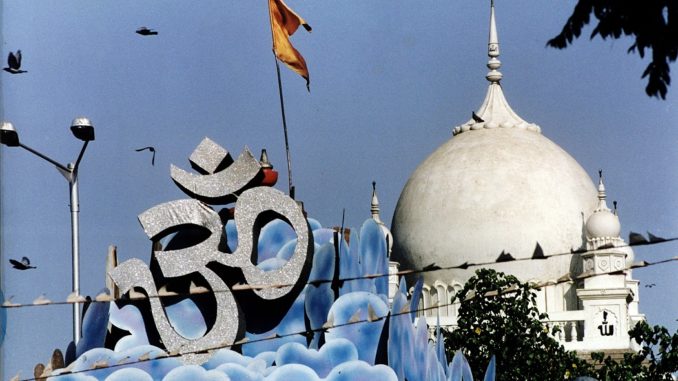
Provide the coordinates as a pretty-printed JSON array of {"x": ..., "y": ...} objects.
[{"x": 651, "y": 25}]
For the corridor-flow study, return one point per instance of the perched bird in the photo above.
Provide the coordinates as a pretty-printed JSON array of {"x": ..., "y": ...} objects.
[
  {"x": 25, "y": 264},
  {"x": 476, "y": 118},
  {"x": 146, "y": 32},
  {"x": 152, "y": 149},
  {"x": 14, "y": 63}
]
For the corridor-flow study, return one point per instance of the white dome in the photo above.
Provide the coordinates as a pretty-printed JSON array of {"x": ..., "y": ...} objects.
[
  {"x": 603, "y": 224},
  {"x": 491, "y": 190},
  {"x": 497, "y": 186}
]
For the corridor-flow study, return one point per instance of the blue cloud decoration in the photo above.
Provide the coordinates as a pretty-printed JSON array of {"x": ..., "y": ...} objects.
[{"x": 335, "y": 323}]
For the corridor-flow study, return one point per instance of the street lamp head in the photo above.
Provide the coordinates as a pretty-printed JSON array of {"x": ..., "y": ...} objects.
[
  {"x": 82, "y": 129},
  {"x": 8, "y": 135}
]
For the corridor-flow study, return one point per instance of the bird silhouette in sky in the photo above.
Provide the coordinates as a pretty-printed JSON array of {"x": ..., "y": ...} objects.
[
  {"x": 14, "y": 63},
  {"x": 650, "y": 285},
  {"x": 24, "y": 264},
  {"x": 146, "y": 32},
  {"x": 476, "y": 118},
  {"x": 152, "y": 149}
]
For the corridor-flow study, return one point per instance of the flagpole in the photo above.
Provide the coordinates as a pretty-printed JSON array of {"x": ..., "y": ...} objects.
[{"x": 290, "y": 188}]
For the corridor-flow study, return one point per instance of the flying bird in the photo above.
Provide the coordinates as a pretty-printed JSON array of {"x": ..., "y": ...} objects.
[
  {"x": 650, "y": 285},
  {"x": 14, "y": 63},
  {"x": 146, "y": 32},
  {"x": 152, "y": 149},
  {"x": 25, "y": 264},
  {"x": 476, "y": 118}
]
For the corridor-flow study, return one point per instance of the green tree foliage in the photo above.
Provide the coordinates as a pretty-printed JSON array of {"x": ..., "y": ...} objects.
[
  {"x": 657, "y": 359},
  {"x": 652, "y": 23},
  {"x": 498, "y": 316}
]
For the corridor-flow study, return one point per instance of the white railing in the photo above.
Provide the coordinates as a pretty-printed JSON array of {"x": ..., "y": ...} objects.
[{"x": 570, "y": 326}]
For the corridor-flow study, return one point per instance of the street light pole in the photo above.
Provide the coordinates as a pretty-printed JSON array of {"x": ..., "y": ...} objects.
[
  {"x": 75, "y": 249},
  {"x": 82, "y": 129}
]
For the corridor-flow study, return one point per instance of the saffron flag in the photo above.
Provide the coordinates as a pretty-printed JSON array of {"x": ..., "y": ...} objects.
[{"x": 284, "y": 22}]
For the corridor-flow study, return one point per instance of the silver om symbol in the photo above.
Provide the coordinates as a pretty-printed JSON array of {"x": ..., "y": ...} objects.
[{"x": 221, "y": 181}]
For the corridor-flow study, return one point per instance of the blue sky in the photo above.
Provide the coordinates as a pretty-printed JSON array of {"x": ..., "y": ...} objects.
[{"x": 389, "y": 80}]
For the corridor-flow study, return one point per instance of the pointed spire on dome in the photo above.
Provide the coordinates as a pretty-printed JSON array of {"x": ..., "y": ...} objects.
[
  {"x": 493, "y": 49},
  {"x": 602, "y": 204},
  {"x": 495, "y": 111},
  {"x": 374, "y": 208},
  {"x": 375, "y": 203}
]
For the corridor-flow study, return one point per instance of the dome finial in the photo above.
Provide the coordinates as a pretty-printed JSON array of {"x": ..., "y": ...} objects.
[
  {"x": 602, "y": 204},
  {"x": 493, "y": 49},
  {"x": 375, "y": 203},
  {"x": 495, "y": 111}
]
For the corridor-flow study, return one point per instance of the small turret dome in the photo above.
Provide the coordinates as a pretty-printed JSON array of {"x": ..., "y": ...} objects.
[{"x": 602, "y": 223}]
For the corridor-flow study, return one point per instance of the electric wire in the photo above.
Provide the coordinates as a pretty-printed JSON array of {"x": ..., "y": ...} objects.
[{"x": 103, "y": 298}]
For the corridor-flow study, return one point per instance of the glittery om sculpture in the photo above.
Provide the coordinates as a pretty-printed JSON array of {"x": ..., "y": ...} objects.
[{"x": 209, "y": 262}]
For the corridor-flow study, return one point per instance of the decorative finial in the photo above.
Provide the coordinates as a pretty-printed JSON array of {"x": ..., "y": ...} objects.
[
  {"x": 602, "y": 204},
  {"x": 494, "y": 112},
  {"x": 493, "y": 50},
  {"x": 375, "y": 203},
  {"x": 601, "y": 185},
  {"x": 263, "y": 159}
]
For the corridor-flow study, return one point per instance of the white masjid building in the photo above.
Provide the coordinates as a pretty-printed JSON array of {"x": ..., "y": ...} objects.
[{"x": 500, "y": 186}]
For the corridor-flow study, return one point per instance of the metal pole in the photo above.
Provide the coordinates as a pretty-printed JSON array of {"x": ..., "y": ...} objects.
[
  {"x": 44, "y": 157},
  {"x": 75, "y": 244},
  {"x": 290, "y": 188},
  {"x": 70, "y": 172}
]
